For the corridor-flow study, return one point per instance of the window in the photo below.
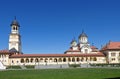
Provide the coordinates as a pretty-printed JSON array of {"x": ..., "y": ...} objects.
[
  {"x": 27, "y": 60},
  {"x": 64, "y": 59},
  {"x": 36, "y": 60},
  {"x": 113, "y": 54},
  {"x": 31, "y": 60},
  {"x": 113, "y": 59},
  {"x": 86, "y": 50},
  {"x": 12, "y": 61},
  {"x": 94, "y": 59},
  {"x": 22, "y": 60},
  {"x": 17, "y": 61},
  {"x": 73, "y": 59}
]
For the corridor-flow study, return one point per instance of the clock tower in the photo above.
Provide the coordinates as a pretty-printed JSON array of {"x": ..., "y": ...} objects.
[{"x": 15, "y": 38}]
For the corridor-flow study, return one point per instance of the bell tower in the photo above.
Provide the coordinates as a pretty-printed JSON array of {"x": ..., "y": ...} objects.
[
  {"x": 14, "y": 37},
  {"x": 84, "y": 44}
]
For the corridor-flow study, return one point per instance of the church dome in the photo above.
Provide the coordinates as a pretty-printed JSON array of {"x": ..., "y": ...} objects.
[
  {"x": 73, "y": 43},
  {"x": 15, "y": 22},
  {"x": 83, "y": 35}
]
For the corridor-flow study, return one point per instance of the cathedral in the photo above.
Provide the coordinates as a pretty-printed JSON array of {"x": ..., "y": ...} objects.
[{"x": 79, "y": 52}]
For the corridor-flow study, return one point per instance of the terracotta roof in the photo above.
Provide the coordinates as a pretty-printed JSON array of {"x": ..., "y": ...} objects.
[
  {"x": 93, "y": 47},
  {"x": 112, "y": 45},
  {"x": 99, "y": 54},
  {"x": 71, "y": 50},
  {"x": 5, "y": 51}
]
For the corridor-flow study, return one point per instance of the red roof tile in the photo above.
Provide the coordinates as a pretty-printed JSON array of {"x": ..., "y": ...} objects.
[
  {"x": 99, "y": 54},
  {"x": 112, "y": 45},
  {"x": 4, "y": 51}
]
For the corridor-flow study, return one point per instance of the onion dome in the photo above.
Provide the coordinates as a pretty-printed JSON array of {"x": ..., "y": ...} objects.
[
  {"x": 83, "y": 34},
  {"x": 73, "y": 42},
  {"x": 15, "y": 22}
]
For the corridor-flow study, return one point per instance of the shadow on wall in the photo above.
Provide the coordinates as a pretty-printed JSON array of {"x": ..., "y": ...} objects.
[{"x": 113, "y": 78}]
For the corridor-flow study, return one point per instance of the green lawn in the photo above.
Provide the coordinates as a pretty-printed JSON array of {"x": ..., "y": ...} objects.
[{"x": 78, "y": 73}]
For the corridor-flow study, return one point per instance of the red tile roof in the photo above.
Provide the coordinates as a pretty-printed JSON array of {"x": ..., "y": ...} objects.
[
  {"x": 93, "y": 47},
  {"x": 99, "y": 54},
  {"x": 71, "y": 50},
  {"x": 5, "y": 51},
  {"x": 112, "y": 45}
]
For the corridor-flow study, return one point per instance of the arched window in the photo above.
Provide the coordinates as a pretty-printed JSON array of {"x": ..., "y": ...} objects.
[
  {"x": 36, "y": 60},
  {"x": 12, "y": 61},
  {"x": 94, "y": 59},
  {"x": 55, "y": 60},
  {"x": 22, "y": 61},
  {"x": 86, "y": 58},
  {"x": 27, "y": 60},
  {"x": 31, "y": 60},
  {"x": 64, "y": 59},
  {"x": 16, "y": 28},
  {"x": 46, "y": 59},
  {"x": 60, "y": 60},
  {"x": 73, "y": 59},
  {"x": 13, "y": 28},
  {"x": 82, "y": 59},
  {"x": 50, "y": 58},
  {"x": 69, "y": 59},
  {"x": 78, "y": 59}
]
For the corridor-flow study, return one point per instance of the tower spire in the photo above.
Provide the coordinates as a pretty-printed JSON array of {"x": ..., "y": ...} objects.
[
  {"x": 15, "y": 17},
  {"x": 82, "y": 30}
]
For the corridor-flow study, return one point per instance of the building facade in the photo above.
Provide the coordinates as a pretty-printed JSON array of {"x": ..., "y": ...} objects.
[{"x": 78, "y": 53}]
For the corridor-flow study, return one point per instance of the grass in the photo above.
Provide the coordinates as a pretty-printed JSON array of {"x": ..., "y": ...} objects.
[{"x": 75, "y": 73}]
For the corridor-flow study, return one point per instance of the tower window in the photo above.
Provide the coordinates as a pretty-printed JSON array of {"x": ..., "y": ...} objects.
[
  {"x": 13, "y": 28},
  {"x": 16, "y": 28}
]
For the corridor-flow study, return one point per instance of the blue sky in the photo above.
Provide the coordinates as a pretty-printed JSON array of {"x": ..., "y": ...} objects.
[{"x": 48, "y": 26}]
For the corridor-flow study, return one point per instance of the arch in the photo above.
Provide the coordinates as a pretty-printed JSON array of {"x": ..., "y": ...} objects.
[
  {"x": 36, "y": 60},
  {"x": 12, "y": 61},
  {"x": 78, "y": 59},
  {"x": 82, "y": 59},
  {"x": 27, "y": 60},
  {"x": 73, "y": 59},
  {"x": 31, "y": 60},
  {"x": 50, "y": 58},
  {"x": 86, "y": 58},
  {"x": 14, "y": 28},
  {"x": 90, "y": 58},
  {"x": 41, "y": 58},
  {"x": 46, "y": 59},
  {"x": 69, "y": 59},
  {"x": 22, "y": 60},
  {"x": 55, "y": 60},
  {"x": 64, "y": 59},
  {"x": 60, "y": 60},
  {"x": 94, "y": 59}
]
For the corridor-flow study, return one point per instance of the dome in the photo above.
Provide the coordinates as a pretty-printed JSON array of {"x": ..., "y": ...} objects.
[
  {"x": 73, "y": 41},
  {"x": 83, "y": 35},
  {"x": 15, "y": 22}
]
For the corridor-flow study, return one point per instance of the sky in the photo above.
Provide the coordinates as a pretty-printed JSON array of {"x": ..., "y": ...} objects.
[{"x": 48, "y": 26}]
